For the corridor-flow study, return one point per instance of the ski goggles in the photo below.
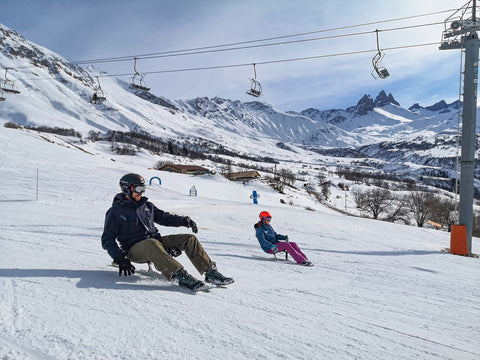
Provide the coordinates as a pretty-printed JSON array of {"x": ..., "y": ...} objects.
[
  {"x": 138, "y": 188},
  {"x": 266, "y": 218}
]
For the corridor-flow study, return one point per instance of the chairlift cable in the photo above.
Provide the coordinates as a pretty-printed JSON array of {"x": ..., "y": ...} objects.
[
  {"x": 165, "y": 55},
  {"x": 257, "y": 63},
  {"x": 280, "y": 61},
  {"x": 291, "y": 42},
  {"x": 125, "y": 58},
  {"x": 129, "y": 57},
  {"x": 308, "y": 57}
]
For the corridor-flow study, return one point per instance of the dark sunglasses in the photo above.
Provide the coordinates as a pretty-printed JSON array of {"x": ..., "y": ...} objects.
[{"x": 138, "y": 188}]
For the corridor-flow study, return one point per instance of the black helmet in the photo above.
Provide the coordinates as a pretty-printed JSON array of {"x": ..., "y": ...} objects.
[{"x": 128, "y": 182}]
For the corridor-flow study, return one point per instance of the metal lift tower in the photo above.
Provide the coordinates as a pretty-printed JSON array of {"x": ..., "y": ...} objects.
[{"x": 461, "y": 33}]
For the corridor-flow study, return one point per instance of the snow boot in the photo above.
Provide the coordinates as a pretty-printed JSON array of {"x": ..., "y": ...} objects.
[
  {"x": 214, "y": 277},
  {"x": 188, "y": 281},
  {"x": 307, "y": 263}
]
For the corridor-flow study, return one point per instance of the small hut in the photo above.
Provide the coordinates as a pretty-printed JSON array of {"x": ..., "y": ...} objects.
[
  {"x": 185, "y": 169},
  {"x": 244, "y": 175}
]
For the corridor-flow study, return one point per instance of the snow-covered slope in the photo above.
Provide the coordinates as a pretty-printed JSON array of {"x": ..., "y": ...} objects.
[{"x": 377, "y": 290}]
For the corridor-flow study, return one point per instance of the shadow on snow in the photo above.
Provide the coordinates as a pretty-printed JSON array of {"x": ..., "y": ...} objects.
[{"x": 97, "y": 279}]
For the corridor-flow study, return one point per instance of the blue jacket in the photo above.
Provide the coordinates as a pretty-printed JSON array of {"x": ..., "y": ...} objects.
[
  {"x": 266, "y": 236},
  {"x": 128, "y": 222}
]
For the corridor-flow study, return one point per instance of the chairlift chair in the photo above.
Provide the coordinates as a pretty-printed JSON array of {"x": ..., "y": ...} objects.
[
  {"x": 256, "y": 87},
  {"x": 381, "y": 71},
  {"x": 5, "y": 86},
  {"x": 139, "y": 84},
  {"x": 11, "y": 89},
  {"x": 99, "y": 95}
]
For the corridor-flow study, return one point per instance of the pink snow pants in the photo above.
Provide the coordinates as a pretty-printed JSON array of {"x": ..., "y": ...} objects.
[{"x": 293, "y": 249}]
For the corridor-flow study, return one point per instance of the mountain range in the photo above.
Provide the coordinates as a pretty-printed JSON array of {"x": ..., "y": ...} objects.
[{"x": 376, "y": 134}]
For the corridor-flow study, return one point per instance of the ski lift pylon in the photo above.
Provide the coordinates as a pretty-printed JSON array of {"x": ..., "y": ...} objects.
[
  {"x": 256, "y": 87},
  {"x": 138, "y": 75},
  {"x": 381, "y": 71},
  {"x": 5, "y": 87}
]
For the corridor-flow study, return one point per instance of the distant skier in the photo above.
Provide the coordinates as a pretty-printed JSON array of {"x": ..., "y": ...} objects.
[
  {"x": 130, "y": 235},
  {"x": 271, "y": 242}
]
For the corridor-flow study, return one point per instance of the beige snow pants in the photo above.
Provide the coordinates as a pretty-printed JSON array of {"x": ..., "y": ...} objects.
[{"x": 154, "y": 250}]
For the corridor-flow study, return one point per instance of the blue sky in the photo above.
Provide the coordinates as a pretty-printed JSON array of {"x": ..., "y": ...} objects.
[{"x": 87, "y": 29}]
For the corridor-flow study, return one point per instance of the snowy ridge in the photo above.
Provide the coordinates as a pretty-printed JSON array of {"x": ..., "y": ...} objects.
[{"x": 251, "y": 118}]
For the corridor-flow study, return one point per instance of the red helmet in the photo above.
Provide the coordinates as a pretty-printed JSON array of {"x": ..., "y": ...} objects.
[{"x": 264, "y": 215}]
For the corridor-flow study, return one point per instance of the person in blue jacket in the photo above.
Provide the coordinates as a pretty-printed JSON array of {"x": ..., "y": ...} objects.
[
  {"x": 271, "y": 242},
  {"x": 130, "y": 235}
]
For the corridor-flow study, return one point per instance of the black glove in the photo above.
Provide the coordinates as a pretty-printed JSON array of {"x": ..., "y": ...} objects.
[
  {"x": 124, "y": 265},
  {"x": 191, "y": 224},
  {"x": 174, "y": 252}
]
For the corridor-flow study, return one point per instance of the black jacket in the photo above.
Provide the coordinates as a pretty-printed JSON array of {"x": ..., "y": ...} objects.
[{"x": 128, "y": 222}]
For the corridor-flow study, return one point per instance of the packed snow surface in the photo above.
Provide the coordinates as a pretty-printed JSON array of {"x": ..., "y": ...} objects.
[{"x": 377, "y": 290}]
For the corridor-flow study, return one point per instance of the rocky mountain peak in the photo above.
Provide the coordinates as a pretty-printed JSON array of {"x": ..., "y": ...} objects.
[
  {"x": 441, "y": 105},
  {"x": 15, "y": 46},
  {"x": 383, "y": 99},
  {"x": 414, "y": 107},
  {"x": 364, "y": 105}
]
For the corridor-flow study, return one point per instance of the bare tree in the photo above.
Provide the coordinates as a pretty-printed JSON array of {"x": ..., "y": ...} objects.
[
  {"x": 399, "y": 211},
  {"x": 326, "y": 189},
  {"x": 422, "y": 205},
  {"x": 443, "y": 212},
  {"x": 321, "y": 178},
  {"x": 227, "y": 169},
  {"x": 276, "y": 184},
  {"x": 374, "y": 201},
  {"x": 94, "y": 135},
  {"x": 476, "y": 224},
  {"x": 287, "y": 177}
]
